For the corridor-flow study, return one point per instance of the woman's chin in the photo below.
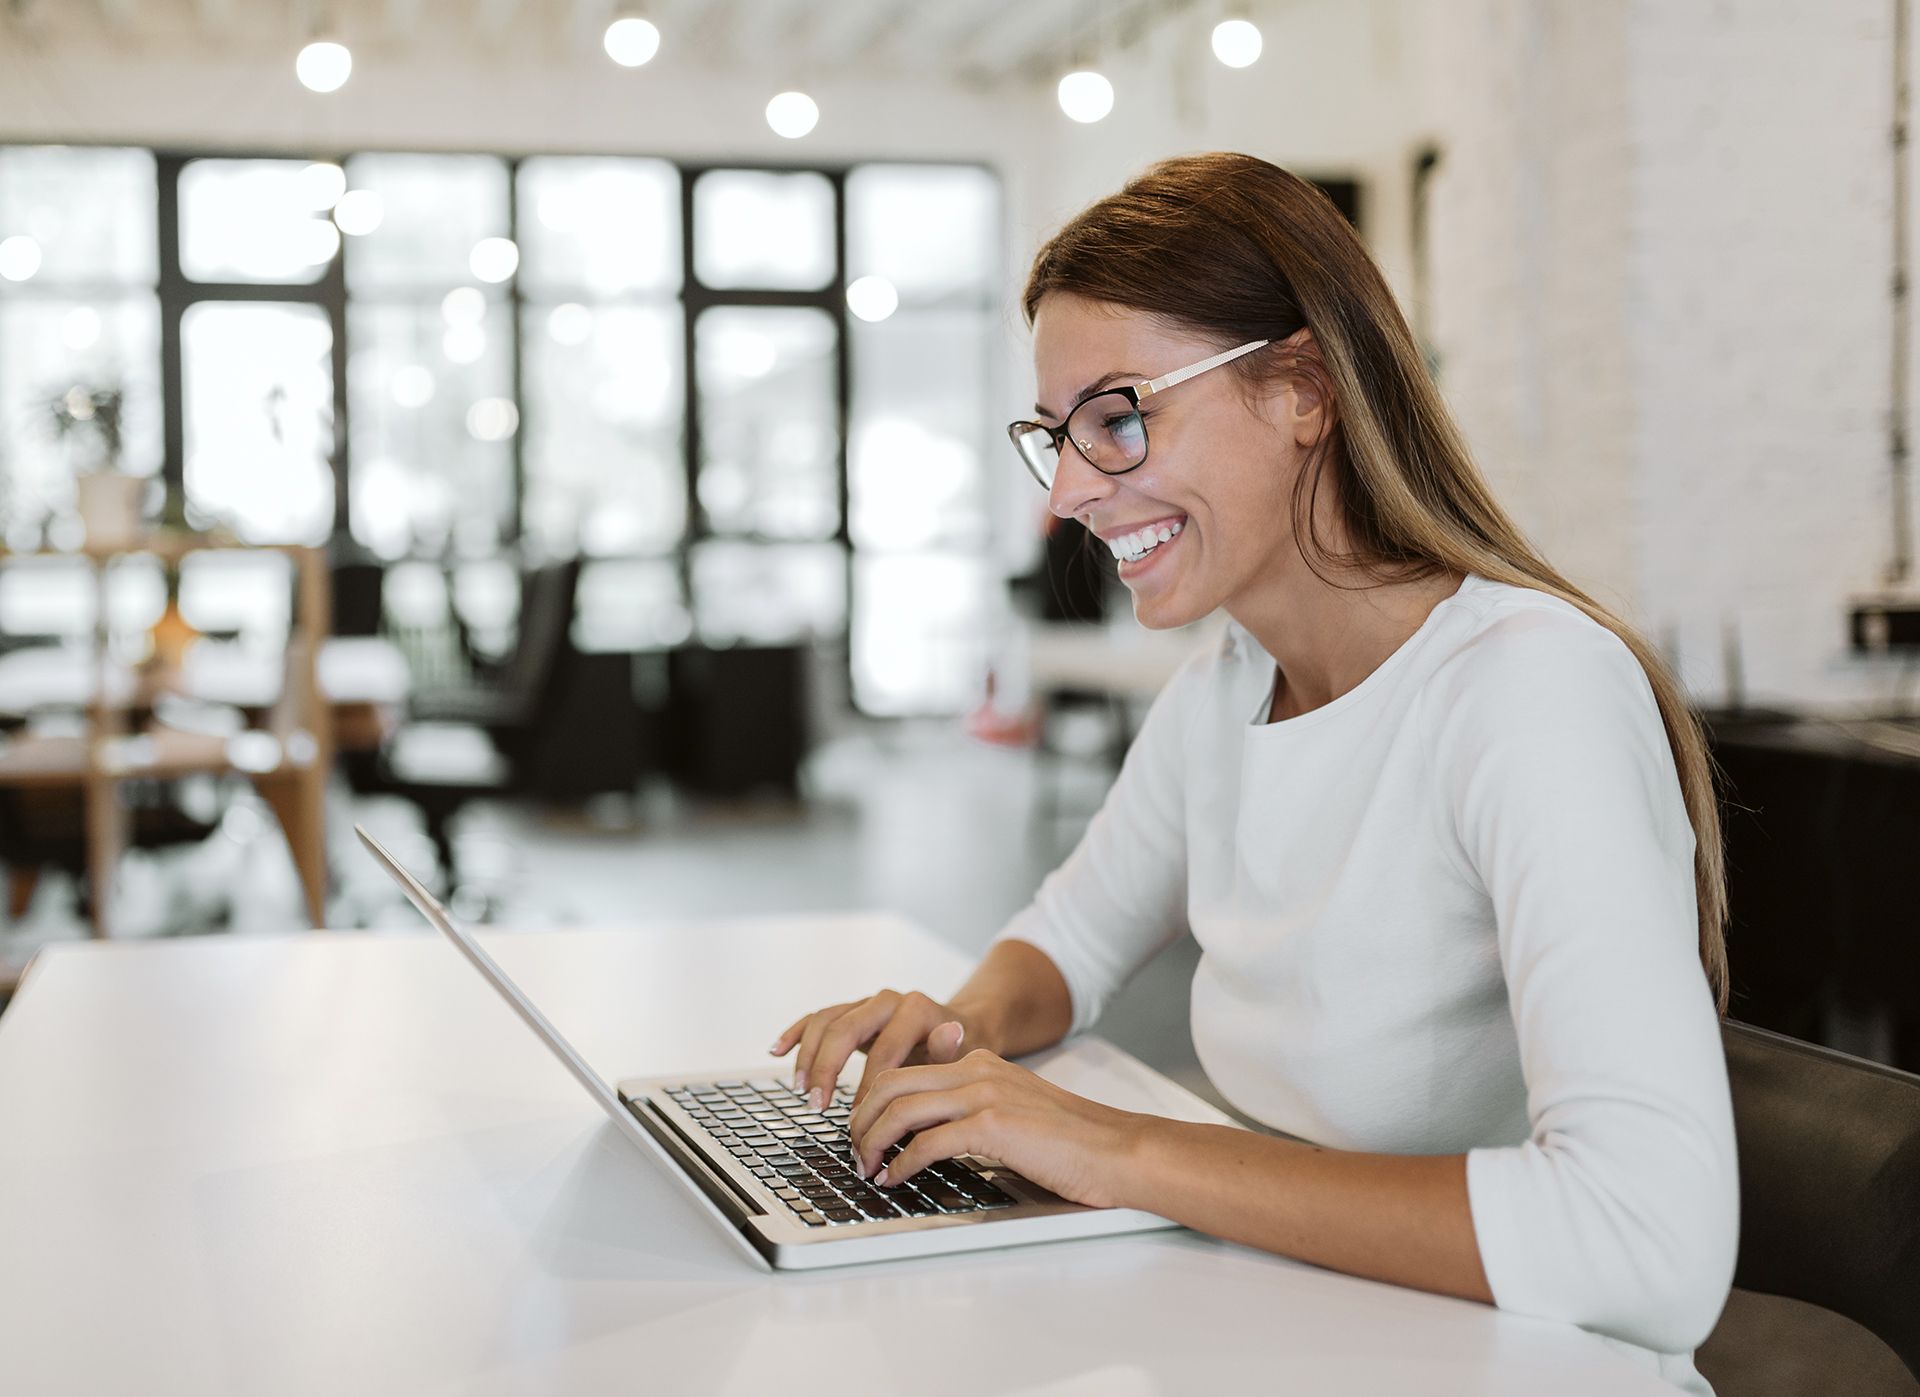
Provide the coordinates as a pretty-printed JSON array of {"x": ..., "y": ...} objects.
[{"x": 1162, "y": 613}]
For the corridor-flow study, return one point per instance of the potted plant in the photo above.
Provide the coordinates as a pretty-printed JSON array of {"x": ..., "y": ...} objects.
[{"x": 88, "y": 420}]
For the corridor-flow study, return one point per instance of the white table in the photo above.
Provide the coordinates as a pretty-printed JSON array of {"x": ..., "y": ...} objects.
[{"x": 335, "y": 1163}]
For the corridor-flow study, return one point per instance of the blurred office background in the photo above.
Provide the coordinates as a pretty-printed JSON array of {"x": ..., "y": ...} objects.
[{"x": 590, "y": 472}]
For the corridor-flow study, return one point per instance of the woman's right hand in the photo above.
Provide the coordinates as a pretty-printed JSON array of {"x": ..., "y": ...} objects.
[{"x": 896, "y": 1029}]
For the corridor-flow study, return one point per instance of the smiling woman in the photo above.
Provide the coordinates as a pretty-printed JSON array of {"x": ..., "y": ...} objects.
[{"x": 1442, "y": 826}]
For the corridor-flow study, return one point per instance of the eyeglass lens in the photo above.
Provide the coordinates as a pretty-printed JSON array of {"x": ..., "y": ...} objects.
[{"x": 1107, "y": 430}]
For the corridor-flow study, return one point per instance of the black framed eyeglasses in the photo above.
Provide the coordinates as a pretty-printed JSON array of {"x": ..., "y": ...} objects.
[{"x": 1106, "y": 427}]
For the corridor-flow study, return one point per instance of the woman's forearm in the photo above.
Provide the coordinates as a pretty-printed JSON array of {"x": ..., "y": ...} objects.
[
  {"x": 1398, "y": 1218},
  {"x": 1015, "y": 1002}
]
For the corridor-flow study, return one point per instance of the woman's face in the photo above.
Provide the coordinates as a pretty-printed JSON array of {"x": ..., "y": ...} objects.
[{"x": 1222, "y": 468}]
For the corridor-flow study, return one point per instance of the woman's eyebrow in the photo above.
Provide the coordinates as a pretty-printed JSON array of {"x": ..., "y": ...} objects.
[{"x": 1096, "y": 385}]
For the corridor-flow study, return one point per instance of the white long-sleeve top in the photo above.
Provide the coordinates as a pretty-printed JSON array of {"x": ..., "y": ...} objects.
[{"x": 1451, "y": 911}]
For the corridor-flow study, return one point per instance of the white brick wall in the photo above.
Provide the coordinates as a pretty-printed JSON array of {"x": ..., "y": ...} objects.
[
  {"x": 1762, "y": 331},
  {"x": 1661, "y": 260}
]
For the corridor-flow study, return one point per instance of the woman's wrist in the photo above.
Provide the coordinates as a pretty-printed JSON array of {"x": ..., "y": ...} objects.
[
  {"x": 1129, "y": 1159},
  {"x": 982, "y": 1023}
]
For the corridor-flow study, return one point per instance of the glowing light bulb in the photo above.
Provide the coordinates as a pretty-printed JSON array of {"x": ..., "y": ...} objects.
[
  {"x": 1236, "y": 42},
  {"x": 359, "y": 212},
  {"x": 494, "y": 259},
  {"x": 792, "y": 114},
  {"x": 631, "y": 42},
  {"x": 872, "y": 298},
  {"x": 19, "y": 257},
  {"x": 1085, "y": 96},
  {"x": 324, "y": 66},
  {"x": 464, "y": 306}
]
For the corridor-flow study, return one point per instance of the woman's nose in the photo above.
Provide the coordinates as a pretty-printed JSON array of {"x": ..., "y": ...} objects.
[{"x": 1077, "y": 486}]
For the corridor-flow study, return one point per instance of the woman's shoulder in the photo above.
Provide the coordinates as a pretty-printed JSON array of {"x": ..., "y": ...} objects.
[{"x": 1521, "y": 655}]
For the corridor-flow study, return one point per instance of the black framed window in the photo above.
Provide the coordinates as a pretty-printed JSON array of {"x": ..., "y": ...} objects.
[{"x": 652, "y": 364}]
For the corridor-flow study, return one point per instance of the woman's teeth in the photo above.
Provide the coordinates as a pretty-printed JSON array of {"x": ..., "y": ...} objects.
[{"x": 1131, "y": 548}]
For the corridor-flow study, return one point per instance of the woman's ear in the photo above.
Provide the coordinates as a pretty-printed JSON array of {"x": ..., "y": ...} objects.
[{"x": 1307, "y": 409}]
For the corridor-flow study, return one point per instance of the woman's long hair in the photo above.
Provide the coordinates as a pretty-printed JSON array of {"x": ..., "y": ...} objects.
[{"x": 1237, "y": 249}]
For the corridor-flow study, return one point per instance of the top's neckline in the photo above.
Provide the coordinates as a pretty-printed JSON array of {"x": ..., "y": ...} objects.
[{"x": 1257, "y": 720}]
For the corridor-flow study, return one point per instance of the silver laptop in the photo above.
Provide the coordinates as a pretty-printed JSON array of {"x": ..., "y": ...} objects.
[{"x": 778, "y": 1175}]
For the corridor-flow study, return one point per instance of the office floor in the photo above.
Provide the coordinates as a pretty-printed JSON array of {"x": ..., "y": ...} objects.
[{"x": 913, "y": 818}]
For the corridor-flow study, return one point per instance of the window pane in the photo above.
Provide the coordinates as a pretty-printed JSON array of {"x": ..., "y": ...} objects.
[
  {"x": 768, "y": 440},
  {"x": 48, "y": 346},
  {"x": 431, "y": 407},
  {"x": 259, "y": 418},
  {"x": 631, "y": 604},
  {"x": 920, "y": 632},
  {"x": 599, "y": 227},
  {"x": 254, "y": 221},
  {"x": 919, "y": 431},
  {"x": 768, "y": 594},
  {"x": 90, "y": 213},
  {"x": 763, "y": 230},
  {"x": 434, "y": 210},
  {"x": 931, "y": 230},
  {"x": 604, "y": 402}
]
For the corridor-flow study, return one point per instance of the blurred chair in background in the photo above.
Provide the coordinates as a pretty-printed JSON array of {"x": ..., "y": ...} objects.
[{"x": 460, "y": 743}]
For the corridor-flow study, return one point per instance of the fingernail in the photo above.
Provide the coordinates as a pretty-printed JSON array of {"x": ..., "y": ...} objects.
[
  {"x": 774, "y": 1048},
  {"x": 817, "y": 1098},
  {"x": 858, "y": 1167},
  {"x": 799, "y": 1081},
  {"x": 881, "y": 1178}
]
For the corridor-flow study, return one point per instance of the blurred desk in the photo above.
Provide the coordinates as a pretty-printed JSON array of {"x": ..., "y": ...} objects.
[
  {"x": 288, "y": 752},
  {"x": 325, "y": 1164},
  {"x": 356, "y": 674}
]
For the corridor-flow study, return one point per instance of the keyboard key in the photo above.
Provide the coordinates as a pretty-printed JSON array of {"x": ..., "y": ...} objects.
[
  {"x": 950, "y": 1199},
  {"x": 991, "y": 1197},
  {"x": 912, "y": 1203},
  {"x": 843, "y": 1215},
  {"x": 811, "y": 1218},
  {"x": 792, "y": 1171},
  {"x": 877, "y": 1208}
]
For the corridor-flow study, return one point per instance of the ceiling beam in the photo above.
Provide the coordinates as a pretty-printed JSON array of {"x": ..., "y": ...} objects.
[
  {"x": 216, "y": 16},
  {"x": 403, "y": 19},
  {"x": 1038, "y": 33},
  {"x": 495, "y": 16},
  {"x": 846, "y": 32}
]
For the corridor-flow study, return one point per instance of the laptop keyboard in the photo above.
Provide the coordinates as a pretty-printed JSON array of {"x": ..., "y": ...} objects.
[{"x": 803, "y": 1157}]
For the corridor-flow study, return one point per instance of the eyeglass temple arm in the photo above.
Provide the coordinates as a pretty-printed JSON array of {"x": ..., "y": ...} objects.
[{"x": 1166, "y": 381}]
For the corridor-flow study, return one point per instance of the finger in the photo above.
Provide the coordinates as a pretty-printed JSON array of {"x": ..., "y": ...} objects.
[
  {"x": 847, "y": 1032},
  {"x": 817, "y": 1023},
  {"x": 905, "y": 1081},
  {"x": 909, "y": 1114},
  {"x": 789, "y": 1036},
  {"x": 896, "y": 1042},
  {"x": 930, "y": 1147},
  {"x": 943, "y": 1044}
]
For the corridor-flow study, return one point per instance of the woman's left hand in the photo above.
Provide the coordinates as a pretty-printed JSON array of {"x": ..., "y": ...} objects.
[{"x": 984, "y": 1105}]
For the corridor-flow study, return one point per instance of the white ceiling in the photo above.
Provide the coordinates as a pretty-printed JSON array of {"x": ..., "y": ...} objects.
[{"x": 974, "y": 42}]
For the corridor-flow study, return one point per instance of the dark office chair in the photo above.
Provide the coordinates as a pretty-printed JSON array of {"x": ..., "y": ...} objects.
[
  {"x": 459, "y": 745},
  {"x": 1829, "y": 1199}
]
